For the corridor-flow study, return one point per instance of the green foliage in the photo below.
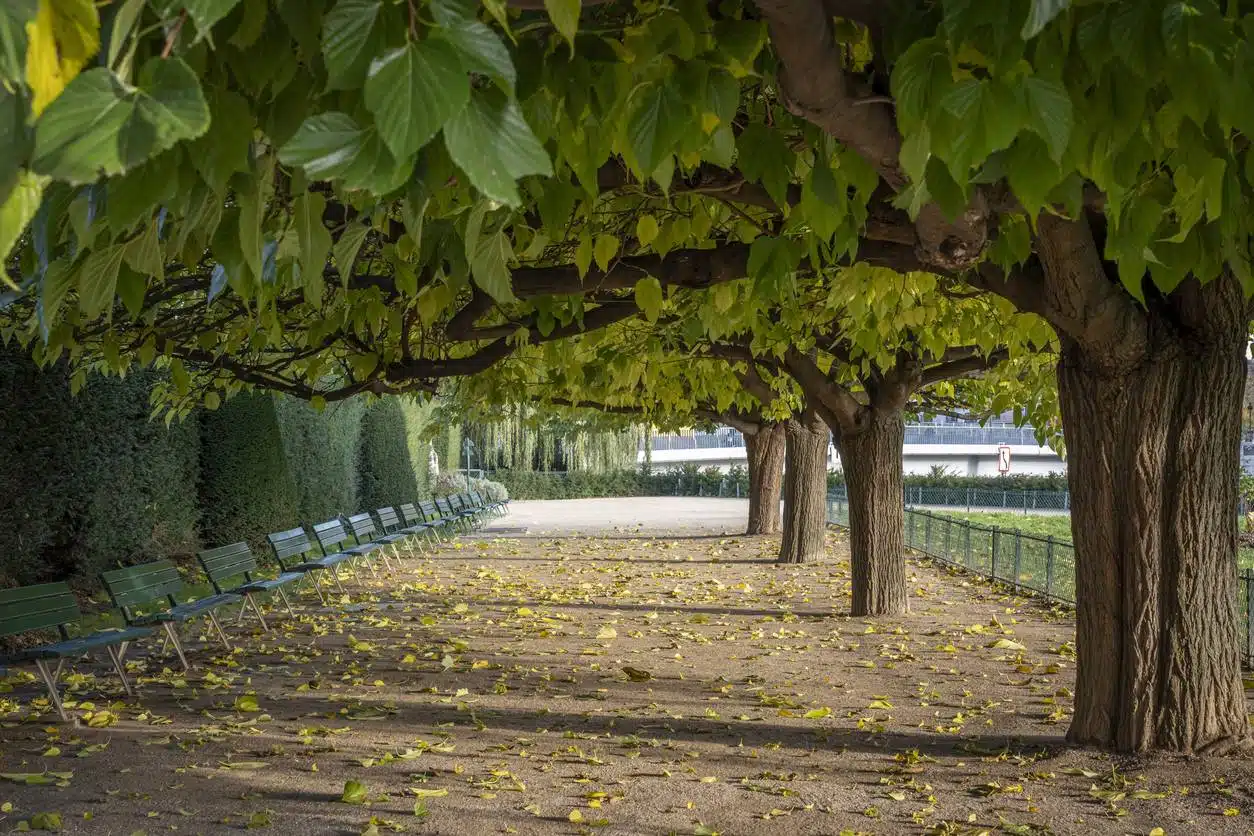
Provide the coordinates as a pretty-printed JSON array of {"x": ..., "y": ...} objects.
[
  {"x": 246, "y": 486},
  {"x": 1013, "y": 483},
  {"x": 386, "y": 471},
  {"x": 688, "y": 480},
  {"x": 321, "y": 451},
  {"x": 88, "y": 482}
]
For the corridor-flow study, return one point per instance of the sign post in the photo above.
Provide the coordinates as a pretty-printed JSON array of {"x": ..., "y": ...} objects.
[{"x": 1003, "y": 459}]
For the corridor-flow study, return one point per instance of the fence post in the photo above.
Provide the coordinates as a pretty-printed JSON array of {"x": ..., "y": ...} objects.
[
  {"x": 927, "y": 534},
  {"x": 993, "y": 572},
  {"x": 949, "y": 524},
  {"x": 1049, "y": 566},
  {"x": 966, "y": 526},
  {"x": 1018, "y": 557},
  {"x": 968, "y": 500},
  {"x": 1249, "y": 615}
]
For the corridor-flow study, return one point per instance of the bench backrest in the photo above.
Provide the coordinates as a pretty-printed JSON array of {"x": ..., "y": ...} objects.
[
  {"x": 362, "y": 526},
  {"x": 38, "y": 607},
  {"x": 412, "y": 515},
  {"x": 330, "y": 535},
  {"x": 444, "y": 506},
  {"x": 137, "y": 586},
  {"x": 388, "y": 519},
  {"x": 456, "y": 503},
  {"x": 293, "y": 543},
  {"x": 430, "y": 511},
  {"x": 226, "y": 562},
  {"x": 476, "y": 500}
]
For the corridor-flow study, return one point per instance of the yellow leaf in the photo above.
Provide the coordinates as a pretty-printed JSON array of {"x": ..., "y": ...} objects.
[
  {"x": 425, "y": 793},
  {"x": 636, "y": 674},
  {"x": 524, "y": 612},
  {"x": 1231, "y": 811},
  {"x": 575, "y": 816},
  {"x": 646, "y": 230},
  {"x": 354, "y": 792},
  {"x": 710, "y": 779},
  {"x": 606, "y": 633},
  {"x": 1005, "y": 644},
  {"x": 60, "y": 40},
  {"x": 247, "y": 703},
  {"x": 460, "y": 608},
  {"x": 880, "y": 705},
  {"x": 817, "y": 713}
]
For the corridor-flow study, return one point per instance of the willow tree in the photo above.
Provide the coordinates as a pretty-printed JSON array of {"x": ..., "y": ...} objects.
[{"x": 341, "y": 196}]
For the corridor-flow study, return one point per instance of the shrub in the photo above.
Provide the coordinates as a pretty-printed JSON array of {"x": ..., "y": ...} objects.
[
  {"x": 385, "y": 472},
  {"x": 321, "y": 450},
  {"x": 246, "y": 488},
  {"x": 88, "y": 482}
]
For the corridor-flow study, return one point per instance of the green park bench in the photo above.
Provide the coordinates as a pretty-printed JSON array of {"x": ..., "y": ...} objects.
[
  {"x": 438, "y": 509},
  {"x": 391, "y": 530},
  {"x": 334, "y": 541},
  {"x": 432, "y": 516},
  {"x": 293, "y": 551},
  {"x": 464, "y": 509},
  {"x": 417, "y": 522},
  {"x": 50, "y": 606},
  {"x": 133, "y": 588},
  {"x": 459, "y": 518},
  {"x": 368, "y": 539},
  {"x": 495, "y": 507},
  {"x": 226, "y": 563}
]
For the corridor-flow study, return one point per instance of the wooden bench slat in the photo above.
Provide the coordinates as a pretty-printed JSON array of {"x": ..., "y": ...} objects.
[
  {"x": 135, "y": 586},
  {"x": 39, "y": 607}
]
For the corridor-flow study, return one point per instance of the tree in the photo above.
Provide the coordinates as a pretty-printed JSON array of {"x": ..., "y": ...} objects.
[{"x": 466, "y": 168}]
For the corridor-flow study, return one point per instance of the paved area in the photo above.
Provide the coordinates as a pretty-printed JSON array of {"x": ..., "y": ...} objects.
[{"x": 627, "y": 515}]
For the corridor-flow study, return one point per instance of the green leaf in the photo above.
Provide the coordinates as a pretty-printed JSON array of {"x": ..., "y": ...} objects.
[
  {"x": 98, "y": 125},
  {"x": 646, "y": 230},
  {"x": 351, "y": 37},
  {"x": 489, "y": 253},
  {"x": 206, "y": 13},
  {"x": 481, "y": 50},
  {"x": 1050, "y": 112},
  {"x": 98, "y": 278},
  {"x": 325, "y": 145},
  {"x": 143, "y": 253},
  {"x": 649, "y": 297},
  {"x": 16, "y": 212},
  {"x": 565, "y": 17},
  {"x": 315, "y": 240},
  {"x": 919, "y": 78},
  {"x": 495, "y": 146},
  {"x": 354, "y": 791},
  {"x": 413, "y": 91},
  {"x": 604, "y": 250},
  {"x": 346, "y": 249},
  {"x": 1041, "y": 13},
  {"x": 224, "y": 149},
  {"x": 52, "y": 289},
  {"x": 14, "y": 140},
  {"x": 657, "y": 122}
]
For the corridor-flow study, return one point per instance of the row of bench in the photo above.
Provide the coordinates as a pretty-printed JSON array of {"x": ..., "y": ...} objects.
[{"x": 297, "y": 554}]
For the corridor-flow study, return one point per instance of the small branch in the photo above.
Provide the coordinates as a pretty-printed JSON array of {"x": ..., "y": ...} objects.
[{"x": 173, "y": 35}]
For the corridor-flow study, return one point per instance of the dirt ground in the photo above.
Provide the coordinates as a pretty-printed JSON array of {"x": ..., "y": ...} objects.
[{"x": 517, "y": 682}]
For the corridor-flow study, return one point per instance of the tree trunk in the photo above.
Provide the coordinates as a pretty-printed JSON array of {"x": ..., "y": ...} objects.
[
  {"x": 765, "y": 450},
  {"x": 805, "y": 489},
  {"x": 872, "y": 463},
  {"x": 1153, "y": 464}
]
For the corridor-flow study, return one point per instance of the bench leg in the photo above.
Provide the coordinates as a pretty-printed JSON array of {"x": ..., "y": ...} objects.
[
  {"x": 243, "y": 610},
  {"x": 172, "y": 632},
  {"x": 335, "y": 575},
  {"x": 286, "y": 602},
  {"x": 50, "y": 682},
  {"x": 318, "y": 587},
  {"x": 213, "y": 619},
  {"x": 352, "y": 567},
  {"x": 249, "y": 600},
  {"x": 374, "y": 573},
  {"x": 115, "y": 656}
]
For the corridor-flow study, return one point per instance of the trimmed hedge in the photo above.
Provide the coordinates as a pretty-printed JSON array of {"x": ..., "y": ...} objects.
[
  {"x": 321, "y": 450},
  {"x": 689, "y": 480},
  {"x": 88, "y": 482},
  {"x": 246, "y": 488},
  {"x": 385, "y": 467}
]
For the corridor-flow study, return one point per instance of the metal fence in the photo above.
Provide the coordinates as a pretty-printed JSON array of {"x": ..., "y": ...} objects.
[
  {"x": 1026, "y": 501},
  {"x": 1044, "y": 566},
  {"x": 970, "y": 434},
  {"x": 722, "y": 439}
]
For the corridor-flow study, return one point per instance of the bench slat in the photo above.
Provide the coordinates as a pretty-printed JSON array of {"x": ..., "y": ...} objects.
[
  {"x": 135, "y": 586},
  {"x": 37, "y": 607}
]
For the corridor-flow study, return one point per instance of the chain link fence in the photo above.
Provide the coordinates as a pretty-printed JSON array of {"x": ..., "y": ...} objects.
[
  {"x": 1044, "y": 566},
  {"x": 1009, "y": 500}
]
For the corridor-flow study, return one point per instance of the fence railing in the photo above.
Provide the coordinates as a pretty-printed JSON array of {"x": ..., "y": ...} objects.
[
  {"x": 1044, "y": 566},
  {"x": 1011, "y": 500},
  {"x": 970, "y": 434}
]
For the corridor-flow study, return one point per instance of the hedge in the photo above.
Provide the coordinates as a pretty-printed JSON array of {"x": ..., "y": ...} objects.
[
  {"x": 321, "y": 448},
  {"x": 386, "y": 470},
  {"x": 88, "y": 482},
  {"x": 689, "y": 480},
  {"x": 246, "y": 488}
]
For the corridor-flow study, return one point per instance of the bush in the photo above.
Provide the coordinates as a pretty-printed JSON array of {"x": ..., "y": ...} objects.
[
  {"x": 87, "y": 482},
  {"x": 386, "y": 472},
  {"x": 321, "y": 450},
  {"x": 246, "y": 488},
  {"x": 454, "y": 482},
  {"x": 1046, "y": 482}
]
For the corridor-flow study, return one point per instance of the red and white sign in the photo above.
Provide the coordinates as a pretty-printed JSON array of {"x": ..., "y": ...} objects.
[{"x": 1003, "y": 458}]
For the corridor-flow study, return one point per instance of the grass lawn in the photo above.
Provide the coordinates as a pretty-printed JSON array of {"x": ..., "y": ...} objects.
[{"x": 1056, "y": 525}]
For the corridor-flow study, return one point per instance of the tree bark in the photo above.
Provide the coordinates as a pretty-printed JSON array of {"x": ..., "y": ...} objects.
[
  {"x": 765, "y": 450},
  {"x": 805, "y": 489},
  {"x": 872, "y": 463},
  {"x": 1153, "y": 459}
]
